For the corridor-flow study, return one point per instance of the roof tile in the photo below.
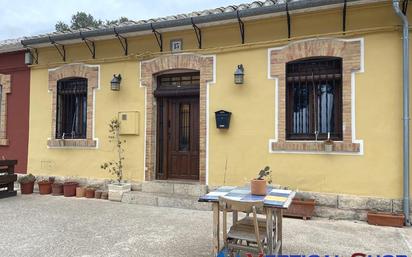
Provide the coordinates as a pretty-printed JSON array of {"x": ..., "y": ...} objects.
[{"x": 226, "y": 9}]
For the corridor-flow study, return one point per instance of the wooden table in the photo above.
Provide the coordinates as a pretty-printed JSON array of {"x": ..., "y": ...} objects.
[{"x": 275, "y": 202}]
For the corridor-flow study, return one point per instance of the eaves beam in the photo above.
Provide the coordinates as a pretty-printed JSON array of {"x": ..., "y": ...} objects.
[
  {"x": 241, "y": 27},
  {"x": 123, "y": 41},
  {"x": 288, "y": 17},
  {"x": 405, "y": 6},
  {"x": 90, "y": 45},
  {"x": 60, "y": 48},
  {"x": 344, "y": 16},
  {"x": 159, "y": 37},
  {"x": 198, "y": 33}
]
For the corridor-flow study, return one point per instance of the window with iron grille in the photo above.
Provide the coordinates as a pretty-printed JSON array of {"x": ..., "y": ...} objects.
[
  {"x": 314, "y": 99},
  {"x": 71, "y": 120}
]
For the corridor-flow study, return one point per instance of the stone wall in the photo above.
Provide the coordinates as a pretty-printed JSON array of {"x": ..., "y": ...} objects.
[
  {"x": 328, "y": 205},
  {"x": 350, "y": 207},
  {"x": 347, "y": 207}
]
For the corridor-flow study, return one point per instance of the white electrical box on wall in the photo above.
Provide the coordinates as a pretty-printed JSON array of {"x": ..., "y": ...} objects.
[{"x": 129, "y": 123}]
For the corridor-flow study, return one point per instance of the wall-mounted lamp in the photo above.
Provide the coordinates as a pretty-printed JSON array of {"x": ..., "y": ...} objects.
[
  {"x": 115, "y": 83},
  {"x": 239, "y": 74},
  {"x": 28, "y": 58}
]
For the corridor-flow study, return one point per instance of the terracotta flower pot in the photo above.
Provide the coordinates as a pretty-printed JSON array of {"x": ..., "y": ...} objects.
[
  {"x": 45, "y": 187},
  {"x": 258, "y": 187},
  {"x": 27, "y": 188},
  {"x": 80, "y": 191},
  {"x": 98, "y": 194},
  {"x": 90, "y": 192},
  {"x": 105, "y": 195},
  {"x": 386, "y": 219},
  {"x": 57, "y": 189},
  {"x": 301, "y": 208},
  {"x": 69, "y": 188}
]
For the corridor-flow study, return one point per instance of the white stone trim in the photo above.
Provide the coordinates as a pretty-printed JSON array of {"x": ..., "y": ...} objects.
[{"x": 208, "y": 84}]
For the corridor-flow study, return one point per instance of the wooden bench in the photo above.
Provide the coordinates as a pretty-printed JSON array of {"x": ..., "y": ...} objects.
[{"x": 7, "y": 178}]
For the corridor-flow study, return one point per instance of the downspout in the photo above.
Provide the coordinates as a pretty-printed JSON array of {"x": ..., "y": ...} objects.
[{"x": 404, "y": 19}]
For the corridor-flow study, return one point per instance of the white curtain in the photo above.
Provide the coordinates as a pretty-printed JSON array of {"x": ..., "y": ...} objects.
[{"x": 325, "y": 108}]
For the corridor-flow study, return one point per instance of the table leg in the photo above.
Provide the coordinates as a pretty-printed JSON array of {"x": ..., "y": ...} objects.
[
  {"x": 279, "y": 217},
  {"x": 269, "y": 229},
  {"x": 235, "y": 217},
  {"x": 216, "y": 228},
  {"x": 275, "y": 236}
]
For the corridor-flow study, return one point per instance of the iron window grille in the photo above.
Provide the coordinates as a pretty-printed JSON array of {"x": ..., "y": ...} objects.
[
  {"x": 184, "y": 127},
  {"x": 181, "y": 80},
  {"x": 71, "y": 120},
  {"x": 314, "y": 99}
]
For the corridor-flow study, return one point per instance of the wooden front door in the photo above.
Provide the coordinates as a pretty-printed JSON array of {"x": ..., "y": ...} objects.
[{"x": 178, "y": 134}]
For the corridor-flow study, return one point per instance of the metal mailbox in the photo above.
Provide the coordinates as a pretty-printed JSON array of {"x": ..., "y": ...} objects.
[{"x": 222, "y": 119}]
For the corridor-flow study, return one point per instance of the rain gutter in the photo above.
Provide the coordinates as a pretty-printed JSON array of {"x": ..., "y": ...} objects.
[
  {"x": 405, "y": 75},
  {"x": 198, "y": 20}
]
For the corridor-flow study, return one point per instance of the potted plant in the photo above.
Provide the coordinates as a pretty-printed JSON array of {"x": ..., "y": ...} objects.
[
  {"x": 57, "y": 188},
  {"x": 116, "y": 189},
  {"x": 105, "y": 195},
  {"x": 98, "y": 194},
  {"x": 80, "y": 191},
  {"x": 69, "y": 188},
  {"x": 258, "y": 185},
  {"x": 328, "y": 144},
  {"x": 45, "y": 186},
  {"x": 386, "y": 219},
  {"x": 89, "y": 191},
  {"x": 27, "y": 184},
  {"x": 301, "y": 208}
]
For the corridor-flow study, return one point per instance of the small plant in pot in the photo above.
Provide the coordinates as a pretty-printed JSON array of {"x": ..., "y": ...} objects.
[
  {"x": 391, "y": 219},
  {"x": 90, "y": 191},
  {"x": 115, "y": 168},
  {"x": 258, "y": 185},
  {"x": 105, "y": 195},
  {"x": 27, "y": 184},
  {"x": 98, "y": 194},
  {"x": 45, "y": 186},
  {"x": 80, "y": 191},
  {"x": 57, "y": 188},
  {"x": 69, "y": 188},
  {"x": 328, "y": 144},
  {"x": 302, "y": 206}
]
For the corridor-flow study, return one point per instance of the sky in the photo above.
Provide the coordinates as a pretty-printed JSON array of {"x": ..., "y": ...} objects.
[{"x": 20, "y": 18}]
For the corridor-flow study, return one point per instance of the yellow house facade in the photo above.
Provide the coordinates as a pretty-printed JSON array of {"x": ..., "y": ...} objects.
[{"x": 363, "y": 57}]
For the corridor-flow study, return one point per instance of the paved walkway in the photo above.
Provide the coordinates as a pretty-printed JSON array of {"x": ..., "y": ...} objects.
[{"x": 57, "y": 226}]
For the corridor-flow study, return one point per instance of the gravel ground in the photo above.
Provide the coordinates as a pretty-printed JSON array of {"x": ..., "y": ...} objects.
[{"x": 56, "y": 226}]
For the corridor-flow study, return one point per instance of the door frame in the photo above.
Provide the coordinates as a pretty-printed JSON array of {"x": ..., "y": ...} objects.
[
  {"x": 149, "y": 69},
  {"x": 166, "y": 93}
]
